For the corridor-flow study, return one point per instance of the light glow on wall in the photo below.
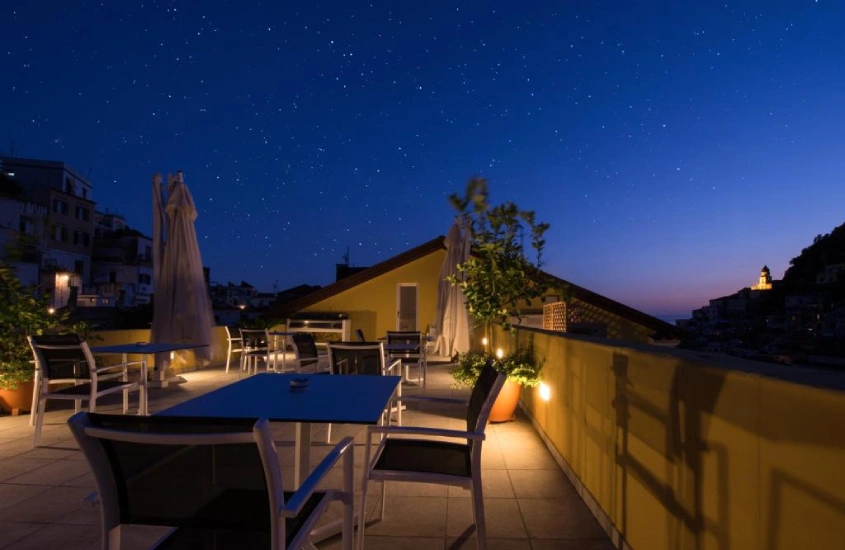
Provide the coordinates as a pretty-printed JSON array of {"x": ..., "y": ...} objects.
[
  {"x": 500, "y": 353},
  {"x": 545, "y": 391}
]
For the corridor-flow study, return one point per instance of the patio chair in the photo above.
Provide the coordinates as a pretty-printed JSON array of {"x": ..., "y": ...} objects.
[
  {"x": 411, "y": 357},
  {"x": 66, "y": 359},
  {"x": 421, "y": 454},
  {"x": 368, "y": 358},
  {"x": 235, "y": 346},
  {"x": 216, "y": 482},
  {"x": 306, "y": 356},
  {"x": 256, "y": 348}
]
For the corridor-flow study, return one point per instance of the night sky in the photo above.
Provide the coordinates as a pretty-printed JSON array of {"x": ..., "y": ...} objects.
[{"x": 674, "y": 147}]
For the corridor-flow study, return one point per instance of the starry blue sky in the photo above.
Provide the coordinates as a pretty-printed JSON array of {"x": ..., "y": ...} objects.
[{"x": 674, "y": 147}]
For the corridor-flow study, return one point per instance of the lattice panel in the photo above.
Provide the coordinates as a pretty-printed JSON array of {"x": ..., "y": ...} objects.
[{"x": 554, "y": 316}]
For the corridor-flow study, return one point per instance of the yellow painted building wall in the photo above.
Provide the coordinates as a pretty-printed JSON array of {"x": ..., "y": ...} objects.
[
  {"x": 372, "y": 305},
  {"x": 683, "y": 451}
]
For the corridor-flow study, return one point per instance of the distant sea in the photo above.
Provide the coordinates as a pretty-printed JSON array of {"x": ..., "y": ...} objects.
[{"x": 673, "y": 317}]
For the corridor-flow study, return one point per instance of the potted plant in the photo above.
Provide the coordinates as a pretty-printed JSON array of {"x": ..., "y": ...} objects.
[
  {"x": 498, "y": 278},
  {"x": 22, "y": 313},
  {"x": 520, "y": 367}
]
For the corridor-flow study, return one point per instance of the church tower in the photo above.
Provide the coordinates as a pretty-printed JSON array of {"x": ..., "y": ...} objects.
[{"x": 765, "y": 282}]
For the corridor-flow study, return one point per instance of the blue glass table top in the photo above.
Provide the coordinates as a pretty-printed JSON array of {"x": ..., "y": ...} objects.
[{"x": 326, "y": 399}]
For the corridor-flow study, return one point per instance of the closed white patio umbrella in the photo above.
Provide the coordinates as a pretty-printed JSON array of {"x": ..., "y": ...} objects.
[
  {"x": 181, "y": 308},
  {"x": 452, "y": 317}
]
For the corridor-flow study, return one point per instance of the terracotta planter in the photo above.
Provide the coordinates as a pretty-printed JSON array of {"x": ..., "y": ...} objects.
[
  {"x": 505, "y": 405},
  {"x": 17, "y": 400}
]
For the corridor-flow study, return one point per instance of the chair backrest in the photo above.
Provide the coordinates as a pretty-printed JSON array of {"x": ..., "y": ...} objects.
[
  {"x": 357, "y": 358},
  {"x": 254, "y": 339},
  {"x": 62, "y": 356},
  {"x": 305, "y": 348},
  {"x": 360, "y": 334},
  {"x": 403, "y": 337},
  {"x": 158, "y": 470},
  {"x": 484, "y": 393}
]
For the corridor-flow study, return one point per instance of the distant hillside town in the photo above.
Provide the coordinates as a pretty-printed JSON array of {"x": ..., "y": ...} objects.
[{"x": 799, "y": 319}]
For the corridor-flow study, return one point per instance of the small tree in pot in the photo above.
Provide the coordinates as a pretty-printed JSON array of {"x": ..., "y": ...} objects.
[
  {"x": 498, "y": 276},
  {"x": 520, "y": 367},
  {"x": 22, "y": 313},
  {"x": 496, "y": 280}
]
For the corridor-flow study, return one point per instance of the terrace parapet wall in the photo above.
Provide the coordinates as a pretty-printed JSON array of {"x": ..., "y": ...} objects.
[{"x": 676, "y": 449}]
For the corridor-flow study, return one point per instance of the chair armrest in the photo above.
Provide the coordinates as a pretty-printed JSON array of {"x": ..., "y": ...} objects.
[
  {"x": 432, "y": 399},
  {"x": 342, "y": 366},
  {"x": 303, "y": 493},
  {"x": 418, "y": 430},
  {"x": 98, "y": 370},
  {"x": 394, "y": 364}
]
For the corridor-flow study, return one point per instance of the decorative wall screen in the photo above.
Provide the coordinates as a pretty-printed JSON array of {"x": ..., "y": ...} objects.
[{"x": 554, "y": 316}]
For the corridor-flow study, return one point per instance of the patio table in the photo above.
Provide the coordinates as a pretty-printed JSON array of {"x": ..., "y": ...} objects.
[
  {"x": 327, "y": 399},
  {"x": 145, "y": 348},
  {"x": 335, "y": 399}
]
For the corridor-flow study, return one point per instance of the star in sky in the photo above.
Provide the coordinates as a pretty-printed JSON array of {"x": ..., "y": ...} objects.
[{"x": 673, "y": 148}]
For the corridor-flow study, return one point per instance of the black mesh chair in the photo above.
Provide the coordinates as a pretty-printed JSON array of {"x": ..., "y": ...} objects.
[
  {"x": 306, "y": 356},
  {"x": 255, "y": 348},
  {"x": 66, "y": 359},
  {"x": 413, "y": 355},
  {"x": 216, "y": 482},
  {"x": 367, "y": 358},
  {"x": 424, "y": 455}
]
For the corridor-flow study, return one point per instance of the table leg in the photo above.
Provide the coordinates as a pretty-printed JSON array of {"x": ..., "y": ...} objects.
[
  {"x": 125, "y": 359},
  {"x": 284, "y": 353},
  {"x": 142, "y": 393},
  {"x": 302, "y": 452},
  {"x": 301, "y": 469},
  {"x": 275, "y": 353}
]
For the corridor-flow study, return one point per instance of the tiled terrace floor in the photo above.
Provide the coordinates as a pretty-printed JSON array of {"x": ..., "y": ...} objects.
[{"x": 529, "y": 502}]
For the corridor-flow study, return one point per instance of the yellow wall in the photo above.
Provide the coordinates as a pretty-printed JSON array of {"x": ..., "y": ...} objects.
[
  {"x": 683, "y": 451},
  {"x": 372, "y": 305}
]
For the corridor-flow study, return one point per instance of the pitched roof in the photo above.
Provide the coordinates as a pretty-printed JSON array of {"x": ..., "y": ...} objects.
[
  {"x": 662, "y": 328},
  {"x": 287, "y": 308}
]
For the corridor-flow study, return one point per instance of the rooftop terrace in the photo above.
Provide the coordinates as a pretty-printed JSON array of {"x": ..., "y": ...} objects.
[{"x": 529, "y": 502}]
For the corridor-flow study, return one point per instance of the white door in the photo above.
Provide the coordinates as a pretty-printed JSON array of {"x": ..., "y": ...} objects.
[{"x": 406, "y": 308}]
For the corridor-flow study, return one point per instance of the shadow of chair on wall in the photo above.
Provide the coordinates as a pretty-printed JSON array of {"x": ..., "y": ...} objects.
[{"x": 683, "y": 444}]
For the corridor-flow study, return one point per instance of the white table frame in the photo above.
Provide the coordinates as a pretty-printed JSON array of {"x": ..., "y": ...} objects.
[{"x": 330, "y": 397}]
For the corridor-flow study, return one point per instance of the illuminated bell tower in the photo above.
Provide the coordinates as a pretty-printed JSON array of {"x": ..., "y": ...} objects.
[{"x": 765, "y": 282}]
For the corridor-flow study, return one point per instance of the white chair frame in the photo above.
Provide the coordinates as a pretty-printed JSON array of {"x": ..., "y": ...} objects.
[
  {"x": 473, "y": 483},
  {"x": 235, "y": 346},
  {"x": 321, "y": 366},
  {"x": 262, "y": 435},
  {"x": 251, "y": 355},
  {"x": 395, "y": 367},
  {"x": 41, "y": 390},
  {"x": 418, "y": 358}
]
